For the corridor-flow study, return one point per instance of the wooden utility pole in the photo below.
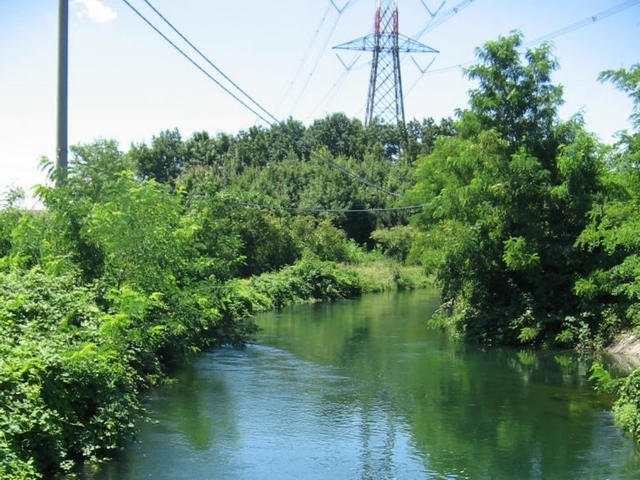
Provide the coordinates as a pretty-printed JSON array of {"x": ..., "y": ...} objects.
[{"x": 63, "y": 71}]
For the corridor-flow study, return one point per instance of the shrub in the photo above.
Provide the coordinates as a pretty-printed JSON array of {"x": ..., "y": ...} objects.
[{"x": 626, "y": 409}]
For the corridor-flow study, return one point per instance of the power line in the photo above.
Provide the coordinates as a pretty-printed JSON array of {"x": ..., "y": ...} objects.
[
  {"x": 440, "y": 19},
  {"x": 582, "y": 23},
  {"x": 332, "y": 210},
  {"x": 349, "y": 4},
  {"x": 193, "y": 62},
  {"x": 556, "y": 33},
  {"x": 340, "y": 11},
  {"x": 433, "y": 22},
  {"x": 308, "y": 51},
  {"x": 206, "y": 59},
  {"x": 434, "y": 13},
  {"x": 334, "y": 89},
  {"x": 325, "y": 158},
  {"x": 315, "y": 65},
  {"x": 422, "y": 72}
]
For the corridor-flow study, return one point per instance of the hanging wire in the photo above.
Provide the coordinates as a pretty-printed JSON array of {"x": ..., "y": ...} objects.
[
  {"x": 333, "y": 91},
  {"x": 316, "y": 63},
  {"x": 324, "y": 158},
  {"x": 556, "y": 33},
  {"x": 193, "y": 62},
  {"x": 306, "y": 55},
  {"x": 332, "y": 210}
]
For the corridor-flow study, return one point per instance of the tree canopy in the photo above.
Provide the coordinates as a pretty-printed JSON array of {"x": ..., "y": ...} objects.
[{"x": 507, "y": 199}]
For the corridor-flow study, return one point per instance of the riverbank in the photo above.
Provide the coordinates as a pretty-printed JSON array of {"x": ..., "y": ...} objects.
[
  {"x": 625, "y": 351},
  {"x": 72, "y": 374},
  {"x": 369, "y": 392}
]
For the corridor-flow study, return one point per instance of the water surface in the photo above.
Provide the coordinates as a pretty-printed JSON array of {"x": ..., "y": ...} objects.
[{"x": 364, "y": 390}]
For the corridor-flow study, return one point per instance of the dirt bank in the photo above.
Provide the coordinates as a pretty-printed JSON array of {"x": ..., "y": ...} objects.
[{"x": 625, "y": 350}]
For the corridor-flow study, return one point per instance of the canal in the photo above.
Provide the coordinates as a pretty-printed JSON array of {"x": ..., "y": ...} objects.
[{"x": 364, "y": 390}]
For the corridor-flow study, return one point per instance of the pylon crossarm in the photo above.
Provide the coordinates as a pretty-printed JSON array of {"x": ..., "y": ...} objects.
[
  {"x": 406, "y": 44},
  {"x": 372, "y": 42},
  {"x": 367, "y": 44}
]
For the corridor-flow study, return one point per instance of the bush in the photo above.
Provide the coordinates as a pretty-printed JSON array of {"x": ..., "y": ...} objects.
[
  {"x": 325, "y": 281},
  {"x": 307, "y": 280},
  {"x": 395, "y": 242},
  {"x": 626, "y": 409},
  {"x": 65, "y": 392}
]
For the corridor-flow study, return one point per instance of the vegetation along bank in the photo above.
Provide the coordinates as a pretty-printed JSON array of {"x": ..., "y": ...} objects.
[{"x": 527, "y": 223}]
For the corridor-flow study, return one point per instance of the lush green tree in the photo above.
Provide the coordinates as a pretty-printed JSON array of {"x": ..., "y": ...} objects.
[
  {"x": 395, "y": 242},
  {"x": 516, "y": 98},
  {"x": 612, "y": 286},
  {"x": 92, "y": 170},
  {"x": 66, "y": 389},
  {"x": 212, "y": 246},
  {"x": 339, "y": 134},
  {"x": 627, "y": 80},
  {"x": 163, "y": 161},
  {"x": 202, "y": 150},
  {"x": 320, "y": 239},
  {"x": 421, "y": 136},
  {"x": 252, "y": 148},
  {"x": 505, "y": 201},
  {"x": 260, "y": 147},
  {"x": 135, "y": 228},
  {"x": 383, "y": 139},
  {"x": 266, "y": 239},
  {"x": 10, "y": 215},
  {"x": 286, "y": 140}
]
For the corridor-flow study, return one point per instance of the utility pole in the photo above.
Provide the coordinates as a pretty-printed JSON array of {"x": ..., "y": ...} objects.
[
  {"x": 385, "y": 101},
  {"x": 63, "y": 72}
]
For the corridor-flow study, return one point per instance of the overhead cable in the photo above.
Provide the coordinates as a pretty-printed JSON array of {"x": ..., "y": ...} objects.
[
  {"x": 583, "y": 23},
  {"x": 440, "y": 19},
  {"x": 556, "y": 33},
  {"x": 335, "y": 88},
  {"x": 193, "y": 62},
  {"x": 325, "y": 158},
  {"x": 306, "y": 55},
  {"x": 206, "y": 59},
  {"x": 317, "y": 61},
  {"x": 435, "y": 12},
  {"x": 333, "y": 210}
]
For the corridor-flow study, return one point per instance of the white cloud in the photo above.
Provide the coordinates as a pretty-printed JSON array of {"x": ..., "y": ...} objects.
[{"x": 95, "y": 10}]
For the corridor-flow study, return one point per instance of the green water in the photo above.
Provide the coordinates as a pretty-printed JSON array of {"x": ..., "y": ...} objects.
[{"x": 363, "y": 390}]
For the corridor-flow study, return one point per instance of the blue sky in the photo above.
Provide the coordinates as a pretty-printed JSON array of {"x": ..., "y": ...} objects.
[{"x": 127, "y": 83}]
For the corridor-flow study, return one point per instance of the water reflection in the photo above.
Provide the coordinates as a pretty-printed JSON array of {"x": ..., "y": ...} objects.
[
  {"x": 365, "y": 390},
  {"x": 496, "y": 413}
]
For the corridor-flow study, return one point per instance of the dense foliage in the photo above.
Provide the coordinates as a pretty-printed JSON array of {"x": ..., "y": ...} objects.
[
  {"x": 140, "y": 259},
  {"x": 612, "y": 286},
  {"x": 531, "y": 223},
  {"x": 508, "y": 198}
]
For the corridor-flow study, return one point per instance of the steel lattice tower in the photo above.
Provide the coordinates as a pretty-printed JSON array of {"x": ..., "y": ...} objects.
[{"x": 384, "y": 101}]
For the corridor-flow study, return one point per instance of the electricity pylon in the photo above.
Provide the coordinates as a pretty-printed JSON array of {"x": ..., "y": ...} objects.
[{"x": 384, "y": 101}]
